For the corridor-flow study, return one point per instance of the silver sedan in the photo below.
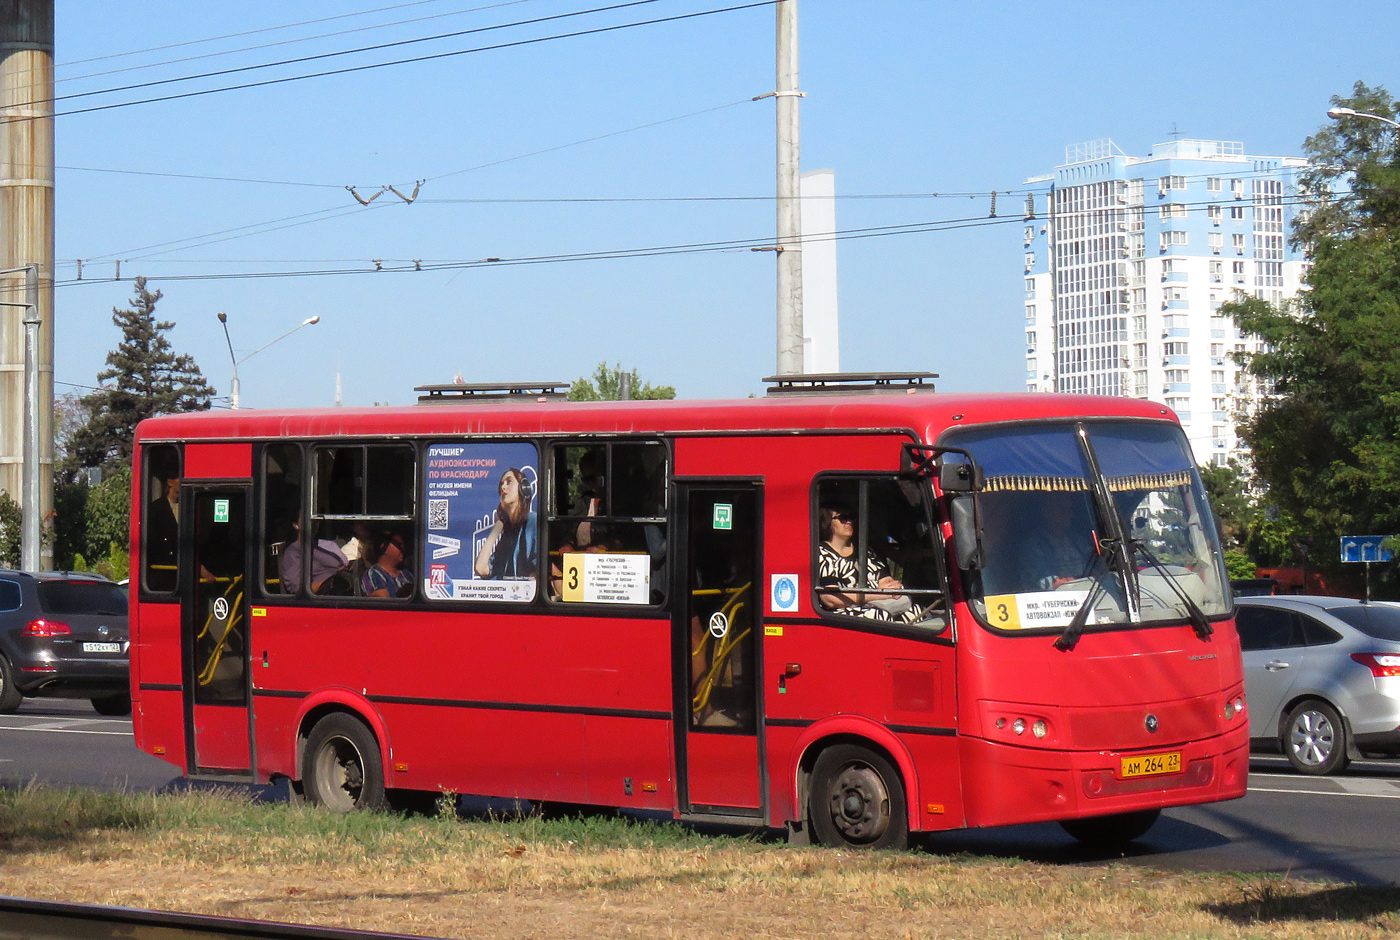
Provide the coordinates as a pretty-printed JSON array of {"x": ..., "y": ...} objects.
[{"x": 1322, "y": 677}]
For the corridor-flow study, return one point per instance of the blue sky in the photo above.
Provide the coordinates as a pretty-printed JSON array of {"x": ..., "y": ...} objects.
[{"x": 902, "y": 98}]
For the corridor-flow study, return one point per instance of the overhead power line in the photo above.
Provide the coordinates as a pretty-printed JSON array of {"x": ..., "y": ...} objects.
[
  {"x": 425, "y": 58},
  {"x": 218, "y": 73},
  {"x": 246, "y": 32},
  {"x": 289, "y": 42}
]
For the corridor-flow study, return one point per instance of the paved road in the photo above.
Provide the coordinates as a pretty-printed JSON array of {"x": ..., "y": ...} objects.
[{"x": 1331, "y": 828}]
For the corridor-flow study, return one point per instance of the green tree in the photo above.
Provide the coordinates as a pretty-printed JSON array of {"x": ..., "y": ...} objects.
[
  {"x": 606, "y": 385},
  {"x": 1325, "y": 440},
  {"x": 147, "y": 378},
  {"x": 10, "y": 529},
  {"x": 1231, "y": 500}
]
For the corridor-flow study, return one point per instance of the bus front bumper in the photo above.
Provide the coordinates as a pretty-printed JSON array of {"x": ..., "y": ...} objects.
[{"x": 1004, "y": 784}]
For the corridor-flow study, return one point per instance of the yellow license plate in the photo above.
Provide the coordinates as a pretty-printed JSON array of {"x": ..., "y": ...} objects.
[{"x": 1145, "y": 765}]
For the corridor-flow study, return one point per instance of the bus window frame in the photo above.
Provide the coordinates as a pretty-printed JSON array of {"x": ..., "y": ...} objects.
[
  {"x": 946, "y": 636},
  {"x": 260, "y": 531},
  {"x": 144, "y": 594},
  {"x": 667, "y": 442},
  {"x": 1070, "y": 422}
]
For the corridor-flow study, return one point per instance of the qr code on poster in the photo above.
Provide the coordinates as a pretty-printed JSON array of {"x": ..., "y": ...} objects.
[{"x": 437, "y": 513}]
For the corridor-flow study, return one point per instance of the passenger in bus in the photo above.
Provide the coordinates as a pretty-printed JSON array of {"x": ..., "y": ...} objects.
[
  {"x": 838, "y": 568},
  {"x": 511, "y": 547},
  {"x": 591, "y": 495},
  {"x": 387, "y": 576},
  {"x": 327, "y": 561},
  {"x": 163, "y": 535}
]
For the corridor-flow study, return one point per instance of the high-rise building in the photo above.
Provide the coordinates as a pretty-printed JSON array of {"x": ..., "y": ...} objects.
[{"x": 1128, "y": 264}]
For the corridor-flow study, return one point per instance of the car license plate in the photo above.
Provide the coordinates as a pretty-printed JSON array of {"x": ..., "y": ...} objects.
[
  {"x": 102, "y": 647},
  {"x": 1146, "y": 765}
]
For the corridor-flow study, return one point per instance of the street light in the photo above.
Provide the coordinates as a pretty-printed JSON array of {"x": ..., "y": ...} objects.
[
  {"x": 233, "y": 387},
  {"x": 1336, "y": 113}
]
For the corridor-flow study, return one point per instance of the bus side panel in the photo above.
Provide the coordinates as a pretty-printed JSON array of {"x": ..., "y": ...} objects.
[
  {"x": 639, "y": 749},
  {"x": 218, "y": 461},
  {"x": 158, "y": 725},
  {"x": 489, "y": 752},
  {"x": 486, "y": 704},
  {"x": 157, "y": 714}
]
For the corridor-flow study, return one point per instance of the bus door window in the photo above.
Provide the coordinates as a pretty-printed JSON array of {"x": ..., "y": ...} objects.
[
  {"x": 220, "y": 633},
  {"x": 609, "y": 501},
  {"x": 161, "y": 529},
  {"x": 281, "y": 520},
  {"x": 362, "y": 524},
  {"x": 876, "y": 554},
  {"x": 722, "y": 610}
]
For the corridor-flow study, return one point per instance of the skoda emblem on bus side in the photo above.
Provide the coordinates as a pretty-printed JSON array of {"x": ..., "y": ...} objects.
[
  {"x": 220, "y": 608},
  {"x": 1151, "y": 723},
  {"x": 719, "y": 625}
]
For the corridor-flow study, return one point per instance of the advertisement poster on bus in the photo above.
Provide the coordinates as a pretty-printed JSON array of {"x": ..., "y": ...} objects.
[{"x": 483, "y": 534}]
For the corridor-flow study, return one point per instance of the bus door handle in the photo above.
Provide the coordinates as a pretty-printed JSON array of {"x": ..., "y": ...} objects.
[
  {"x": 1275, "y": 665},
  {"x": 790, "y": 671}
]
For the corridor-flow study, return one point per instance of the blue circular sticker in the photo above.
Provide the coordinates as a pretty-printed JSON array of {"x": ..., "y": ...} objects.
[{"x": 784, "y": 592}]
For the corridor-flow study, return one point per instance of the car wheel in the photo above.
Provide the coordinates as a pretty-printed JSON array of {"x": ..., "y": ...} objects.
[
  {"x": 10, "y": 695},
  {"x": 1109, "y": 832},
  {"x": 341, "y": 765},
  {"x": 857, "y": 800},
  {"x": 119, "y": 704},
  {"x": 1314, "y": 738}
]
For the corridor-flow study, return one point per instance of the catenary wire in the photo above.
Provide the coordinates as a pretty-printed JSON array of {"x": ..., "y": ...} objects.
[
  {"x": 415, "y": 59},
  {"x": 287, "y": 42}
]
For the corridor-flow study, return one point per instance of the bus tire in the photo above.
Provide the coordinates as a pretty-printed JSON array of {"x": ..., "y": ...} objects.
[
  {"x": 10, "y": 695},
  {"x": 857, "y": 800},
  {"x": 341, "y": 765},
  {"x": 1314, "y": 738},
  {"x": 1110, "y": 832}
]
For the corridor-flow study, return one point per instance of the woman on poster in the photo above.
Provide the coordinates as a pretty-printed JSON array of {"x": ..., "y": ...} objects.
[{"x": 508, "y": 553}]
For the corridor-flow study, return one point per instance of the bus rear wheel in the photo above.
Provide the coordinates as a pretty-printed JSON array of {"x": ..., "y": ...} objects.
[
  {"x": 857, "y": 800},
  {"x": 1109, "y": 832},
  {"x": 341, "y": 766}
]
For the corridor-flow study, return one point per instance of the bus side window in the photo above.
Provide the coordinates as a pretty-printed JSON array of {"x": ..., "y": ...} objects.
[
  {"x": 362, "y": 528},
  {"x": 160, "y": 524},
  {"x": 609, "y": 500},
  {"x": 876, "y": 555},
  {"x": 281, "y": 519}
]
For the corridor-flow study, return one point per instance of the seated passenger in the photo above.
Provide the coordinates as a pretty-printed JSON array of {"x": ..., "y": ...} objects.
[
  {"x": 387, "y": 576},
  {"x": 838, "y": 568},
  {"x": 327, "y": 560}
]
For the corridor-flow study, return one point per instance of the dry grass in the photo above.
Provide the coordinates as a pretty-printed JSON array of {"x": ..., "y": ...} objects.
[{"x": 607, "y": 877}]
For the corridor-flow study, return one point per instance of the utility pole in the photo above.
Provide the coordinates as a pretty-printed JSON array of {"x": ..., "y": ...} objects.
[
  {"x": 26, "y": 250},
  {"x": 789, "y": 247}
]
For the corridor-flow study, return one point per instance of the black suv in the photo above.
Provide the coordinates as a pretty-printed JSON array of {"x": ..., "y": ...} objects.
[{"x": 63, "y": 634}]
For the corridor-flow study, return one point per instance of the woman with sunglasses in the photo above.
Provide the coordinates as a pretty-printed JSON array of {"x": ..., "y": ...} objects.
[
  {"x": 839, "y": 568},
  {"x": 387, "y": 576}
]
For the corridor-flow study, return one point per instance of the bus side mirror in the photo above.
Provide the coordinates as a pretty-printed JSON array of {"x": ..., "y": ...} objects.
[
  {"x": 959, "y": 477},
  {"x": 967, "y": 536}
]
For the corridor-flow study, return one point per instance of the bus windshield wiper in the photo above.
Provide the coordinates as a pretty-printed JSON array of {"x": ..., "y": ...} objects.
[
  {"x": 1199, "y": 623},
  {"x": 1070, "y": 635}
]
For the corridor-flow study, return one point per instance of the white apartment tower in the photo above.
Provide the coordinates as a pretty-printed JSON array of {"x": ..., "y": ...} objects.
[{"x": 1128, "y": 263}]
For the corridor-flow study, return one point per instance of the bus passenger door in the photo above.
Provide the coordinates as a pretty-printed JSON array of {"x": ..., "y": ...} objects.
[
  {"x": 718, "y": 744},
  {"x": 215, "y": 628}
]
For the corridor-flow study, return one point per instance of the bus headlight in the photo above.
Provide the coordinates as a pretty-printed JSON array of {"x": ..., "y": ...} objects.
[
  {"x": 1019, "y": 726},
  {"x": 1038, "y": 729}
]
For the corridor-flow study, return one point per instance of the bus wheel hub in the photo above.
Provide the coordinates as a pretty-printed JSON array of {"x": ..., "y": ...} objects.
[{"x": 860, "y": 803}]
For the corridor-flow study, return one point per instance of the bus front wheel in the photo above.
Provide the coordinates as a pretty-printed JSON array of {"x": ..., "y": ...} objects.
[
  {"x": 857, "y": 800},
  {"x": 1109, "y": 832},
  {"x": 341, "y": 766}
]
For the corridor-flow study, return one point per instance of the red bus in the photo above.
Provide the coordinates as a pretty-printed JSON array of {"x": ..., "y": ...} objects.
[{"x": 857, "y": 610}]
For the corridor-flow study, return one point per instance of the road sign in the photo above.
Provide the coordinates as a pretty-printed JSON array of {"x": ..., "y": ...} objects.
[{"x": 1365, "y": 548}]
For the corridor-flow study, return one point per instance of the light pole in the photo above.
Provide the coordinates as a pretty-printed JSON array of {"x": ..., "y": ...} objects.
[
  {"x": 233, "y": 386},
  {"x": 1336, "y": 113}
]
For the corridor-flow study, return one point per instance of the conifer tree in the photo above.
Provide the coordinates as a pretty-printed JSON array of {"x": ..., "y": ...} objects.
[{"x": 144, "y": 377}]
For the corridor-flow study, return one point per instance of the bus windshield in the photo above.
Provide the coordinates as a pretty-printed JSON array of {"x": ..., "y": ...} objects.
[{"x": 1109, "y": 513}]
